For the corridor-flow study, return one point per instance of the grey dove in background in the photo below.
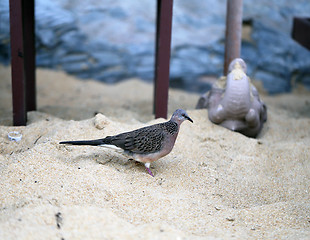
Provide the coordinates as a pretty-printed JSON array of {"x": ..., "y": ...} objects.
[{"x": 146, "y": 144}]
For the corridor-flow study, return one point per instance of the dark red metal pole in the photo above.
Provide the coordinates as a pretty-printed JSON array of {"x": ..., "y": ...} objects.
[
  {"x": 233, "y": 32},
  {"x": 17, "y": 63},
  {"x": 29, "y": 52},
  {"x": 301, "y": 31},
  {"x": 162, "y": 58},
  {"x": 22, "y": 59}
]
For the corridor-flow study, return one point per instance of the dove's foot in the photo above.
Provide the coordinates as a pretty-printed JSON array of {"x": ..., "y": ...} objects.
[{"x": 147, "y": 166}]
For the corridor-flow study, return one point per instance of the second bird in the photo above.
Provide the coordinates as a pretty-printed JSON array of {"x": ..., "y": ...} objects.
[{"x": 146, "y": 144}]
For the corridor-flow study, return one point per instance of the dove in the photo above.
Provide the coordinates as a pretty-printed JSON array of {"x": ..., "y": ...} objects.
[{"x": 147, "y": 144}]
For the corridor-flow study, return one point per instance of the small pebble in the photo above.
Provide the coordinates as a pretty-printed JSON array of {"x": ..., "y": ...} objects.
[{"x": 101, "y": 121}]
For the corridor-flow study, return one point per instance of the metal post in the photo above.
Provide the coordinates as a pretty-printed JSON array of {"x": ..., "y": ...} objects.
[
  {"x": 162, "y": 61},
  {"x": 22, "y": 59},
  {"x": 29, "y": 52},
  {"x": 233, "y": 32},
  {"x": 301, "y": 31},
  {"x": 17, "y": 63}
]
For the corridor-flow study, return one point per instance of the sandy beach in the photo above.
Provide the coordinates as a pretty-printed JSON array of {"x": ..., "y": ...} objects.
[{"x": 215, "y": 184}]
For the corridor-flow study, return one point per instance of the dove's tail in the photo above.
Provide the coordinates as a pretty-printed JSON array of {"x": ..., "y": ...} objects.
[{"x": 96, "y": 142}]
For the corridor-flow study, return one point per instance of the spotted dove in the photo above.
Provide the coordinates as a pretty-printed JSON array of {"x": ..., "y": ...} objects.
[{"x": 146, "y": 144}]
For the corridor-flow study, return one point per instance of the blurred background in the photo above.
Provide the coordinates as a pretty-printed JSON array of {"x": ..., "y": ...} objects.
[{"x": 113, "y": 40}]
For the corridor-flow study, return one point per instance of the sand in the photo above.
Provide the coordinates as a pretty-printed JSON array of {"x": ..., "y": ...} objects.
[{"x": 215, "y": 184}]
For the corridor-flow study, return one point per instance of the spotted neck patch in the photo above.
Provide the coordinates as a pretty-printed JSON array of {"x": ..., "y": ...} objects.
[{"x": 171, "y": 127}]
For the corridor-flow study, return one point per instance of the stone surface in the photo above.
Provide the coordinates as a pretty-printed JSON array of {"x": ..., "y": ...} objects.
[{"x": 113, "y": 40}]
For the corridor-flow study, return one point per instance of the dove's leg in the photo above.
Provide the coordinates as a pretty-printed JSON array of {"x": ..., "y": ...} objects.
[{"x": 147, "y": 166}]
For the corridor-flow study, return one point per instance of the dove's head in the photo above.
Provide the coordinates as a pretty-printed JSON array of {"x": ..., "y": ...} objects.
[{"x": 180, "y": 116}]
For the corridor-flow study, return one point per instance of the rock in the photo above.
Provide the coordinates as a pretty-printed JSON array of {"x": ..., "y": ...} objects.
[
  {"x": 45, "y": 59},
  {"x": 274, "y": 82},
  {"x": 112, "y": 74},
  {"x": 75, "y": 67},
  {"x": 106, "y": 58},
  {"x": 101, "y": 121},
  {"x": 231, "y": 219},
  {"x": 274, "y": 64},
  {"x": 117, "y": 40},
  {"x": 47, "y": 37}
]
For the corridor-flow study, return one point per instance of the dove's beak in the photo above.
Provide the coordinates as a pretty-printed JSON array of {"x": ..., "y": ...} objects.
[{"x": 189, "y": 119}]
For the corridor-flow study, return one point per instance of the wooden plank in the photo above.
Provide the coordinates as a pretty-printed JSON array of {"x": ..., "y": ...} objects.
[{"x": 162, "y": 57}]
